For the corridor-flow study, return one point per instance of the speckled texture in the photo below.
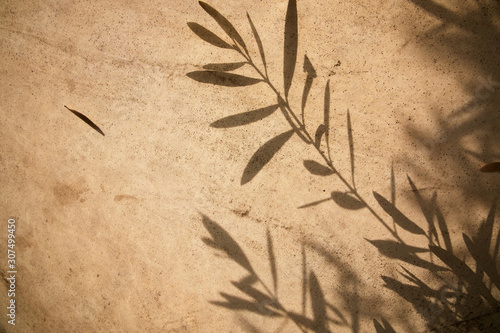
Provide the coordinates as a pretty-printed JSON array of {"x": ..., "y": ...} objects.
[{"x": 110, "y": 228}]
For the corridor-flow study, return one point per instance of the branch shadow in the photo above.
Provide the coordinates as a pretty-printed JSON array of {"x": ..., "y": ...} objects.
[
  {"x": 463, "y": 292},
  {"x": 456, "y": 293},
  {"x": 254, "y": 296}
]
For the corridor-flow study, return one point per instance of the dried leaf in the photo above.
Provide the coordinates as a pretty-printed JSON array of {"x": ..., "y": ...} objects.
[
  {"x": 225, "y": 67},
  {"x": 491, "y": 167},
  {"x": 263, "y": 155},
  {"x": 222, "y": 78},
  {"x": 245, "y": 118},
  {"x": 223, "y": 241},
  {"x": 86, "y": 120},
  {"x": 224, "y": 24},
  {"x": 259, "y": 43},
  {"x": 291, "y": 45},
  {"x": 317, "y": 169},
  {"x": 347, "y": 201},
  {"x": 399, "y": 218},
  {"x": 208, "y": 36}
]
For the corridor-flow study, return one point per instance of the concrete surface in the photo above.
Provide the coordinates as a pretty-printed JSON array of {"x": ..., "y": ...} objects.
[{"x": 110, "y": 229}]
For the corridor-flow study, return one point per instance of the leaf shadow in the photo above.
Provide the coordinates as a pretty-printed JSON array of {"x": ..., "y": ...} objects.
[
  {"x": 208, "y": 36},
  {"x": 317, "y": 169},
  {"x": 450, "y": 303},
  {"x": 221, "y": 240},
  {"x": 255, "y": 297},
  {"x": 291, "y": 45},
  {"x": 245, "y": 118},
  {"x": 347, "y": 200},
  {"x": 399, "y": 218},
  {"x": 263, "y": 155},
  {"x": 318, "y": 304},
  {"x": 222, "y": 78},
  {"x": 311, "y": 75},
  {"x": 224, "y": 67},
  {"x": 432, "y": 302},
  {"x": 385, "y": 327}
]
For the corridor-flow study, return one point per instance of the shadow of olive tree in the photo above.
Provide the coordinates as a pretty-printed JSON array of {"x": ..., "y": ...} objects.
[{"x": 457, "y": 289}]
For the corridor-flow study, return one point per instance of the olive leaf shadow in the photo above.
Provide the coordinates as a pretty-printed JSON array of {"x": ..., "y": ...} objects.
[
  {"x": 224, "y": 67},
  {"x": 221, "y": 74},
  {"x": 245, "y": 118},
  {"x": 222, "y": 78},
  {"x": 208, "y": 36},
  {"x": 473, "y": 289},
  {"x": 221, "y": 240},
  {"x": 345, "y": 200},
  {"x": 263, "y": 155},
  {"x": 472, "y": 295},
  {"x": 385, "y": 327},
  {"x": 291, "y": 45},
  {"x": 256, "y": 297}
]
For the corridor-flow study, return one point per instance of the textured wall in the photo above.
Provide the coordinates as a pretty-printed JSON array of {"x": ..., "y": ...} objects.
[{"x": 116, "y": 233}]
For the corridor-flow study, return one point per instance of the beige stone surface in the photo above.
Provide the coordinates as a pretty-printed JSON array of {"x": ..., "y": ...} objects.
[{"x": 110, "y": 228}]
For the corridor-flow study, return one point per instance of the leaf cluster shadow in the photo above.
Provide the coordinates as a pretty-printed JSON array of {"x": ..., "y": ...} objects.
[
  {"x": 255, "y": 296},
  {"x": 463, "y": 293}
]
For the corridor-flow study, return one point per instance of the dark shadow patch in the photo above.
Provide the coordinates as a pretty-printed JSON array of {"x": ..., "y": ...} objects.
[
  {"x": 225, "y": 67},
  {"x": 221, "y": 240},
  {"x": 347, "y": 200},
  {"x": 222, "y": 78},
  {"x": 291, "y": 45},
  {"x": 399, "y": 218},
  {"x": 317, "y": 169},
  {"x": 245, "y": 118},
  {"x": 208, "y": 36},
  {"x": 263, "y": 155}
]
